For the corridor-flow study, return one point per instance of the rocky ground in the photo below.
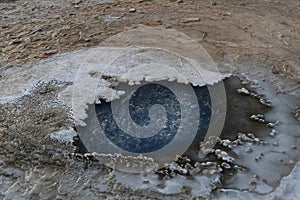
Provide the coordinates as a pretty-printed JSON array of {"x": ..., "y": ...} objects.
[{"x": 262, "y": 35}]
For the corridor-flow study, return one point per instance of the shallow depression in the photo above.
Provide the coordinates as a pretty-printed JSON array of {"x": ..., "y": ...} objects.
[
  {"x": 260, "y": 135},
  {"x": 258, "y": 146}
]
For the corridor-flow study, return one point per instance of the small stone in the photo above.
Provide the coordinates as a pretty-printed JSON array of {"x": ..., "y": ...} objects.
[
  {"x": 179, "y": 1},
  {"x": 252, "y": 182},
  {"x": 191, "y": 19},
  {"x": 188, "y": 166},
  {"x": 258, "y": 118},
  {"x": 256, "y": 176},
  {"x": 273, "y": 133},
  {"x": 263, "y": 142},
  {"x": 132, "y": 10},
  {"x": 243, "y": 91},
  {"x": 256, "y": 140},
  {"x": 271, "y": 125},
  {"x": 225, "y": 165},
  {"x": 225, "y": 143},
  {"x": 294, "y": 147},
  {"x": 249, "y": 150},
  {"x": 226, "y": 14},
  {"x": 275, "y": 144},
  {"x": 261, "y": 116},
  {"x": 257, "y": 158},
  {"x": 239, "y": 168},
  {"x": 185, "y": 189},
  {"x": 213, "y": 3},
  {"x": 223, "y": 155}
]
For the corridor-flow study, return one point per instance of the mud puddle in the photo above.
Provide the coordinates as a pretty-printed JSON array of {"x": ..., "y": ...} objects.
[
  {"x": 258, "y": 146},
  {"x": 256, "y": 149}
]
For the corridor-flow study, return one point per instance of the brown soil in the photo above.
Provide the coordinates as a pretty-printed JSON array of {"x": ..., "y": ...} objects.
[{"x": 233, "y": 31}]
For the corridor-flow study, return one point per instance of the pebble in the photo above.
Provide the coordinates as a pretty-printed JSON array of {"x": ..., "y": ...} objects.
[
  {"x": 273, "y": 133},
  {"x": 223, "y": 155},
  {"x": 225, "y": 165},
  {"x": 132, "y": 10},
  {"x": 245, "y": 138},
  {"x": 263, "y": 142},
  {"x": 257, "y": 158},
  {"x": 206, "y": 164},
  {"x": 258, "y": 118},
  {"x": 191, "y": 19},
  {"x": 275, "y": 144},
  {"x": 256, "y": 140},
  {"x": 179, "y": 1},
  {"x": 256, "y": 176},
  {"x": 179, "y": 169},
  {"x": 239, "y": 168},
  {"x": 261, "y": 116},
  {"x": 188, "y": 166},
  {"x": 271, "y": 125},
  {"x": 249, "y": 150},
  {"x": 252, "y": 94},
  {"x": 265, "y": 102},
  {"x": 185, "y": 189},
  {"x": 226, "y": 143},
  {"x": 243, "y": 91},
  {"x": 252, "y": 182},
  {"x": 261, "y": 154}
]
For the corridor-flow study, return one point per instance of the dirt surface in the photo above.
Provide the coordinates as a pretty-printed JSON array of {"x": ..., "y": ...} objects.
[
  {"x": 233, "y": 31},
  {"x": 237, "y": 32}
]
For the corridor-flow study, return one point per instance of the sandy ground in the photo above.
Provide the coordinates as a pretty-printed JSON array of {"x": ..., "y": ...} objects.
[
  {"x": 262, "y": 35},
  {"x": 232, "y": 31}
]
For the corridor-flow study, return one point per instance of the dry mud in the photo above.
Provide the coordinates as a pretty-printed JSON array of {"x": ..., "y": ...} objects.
[{"x": 259, "y": 41}]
